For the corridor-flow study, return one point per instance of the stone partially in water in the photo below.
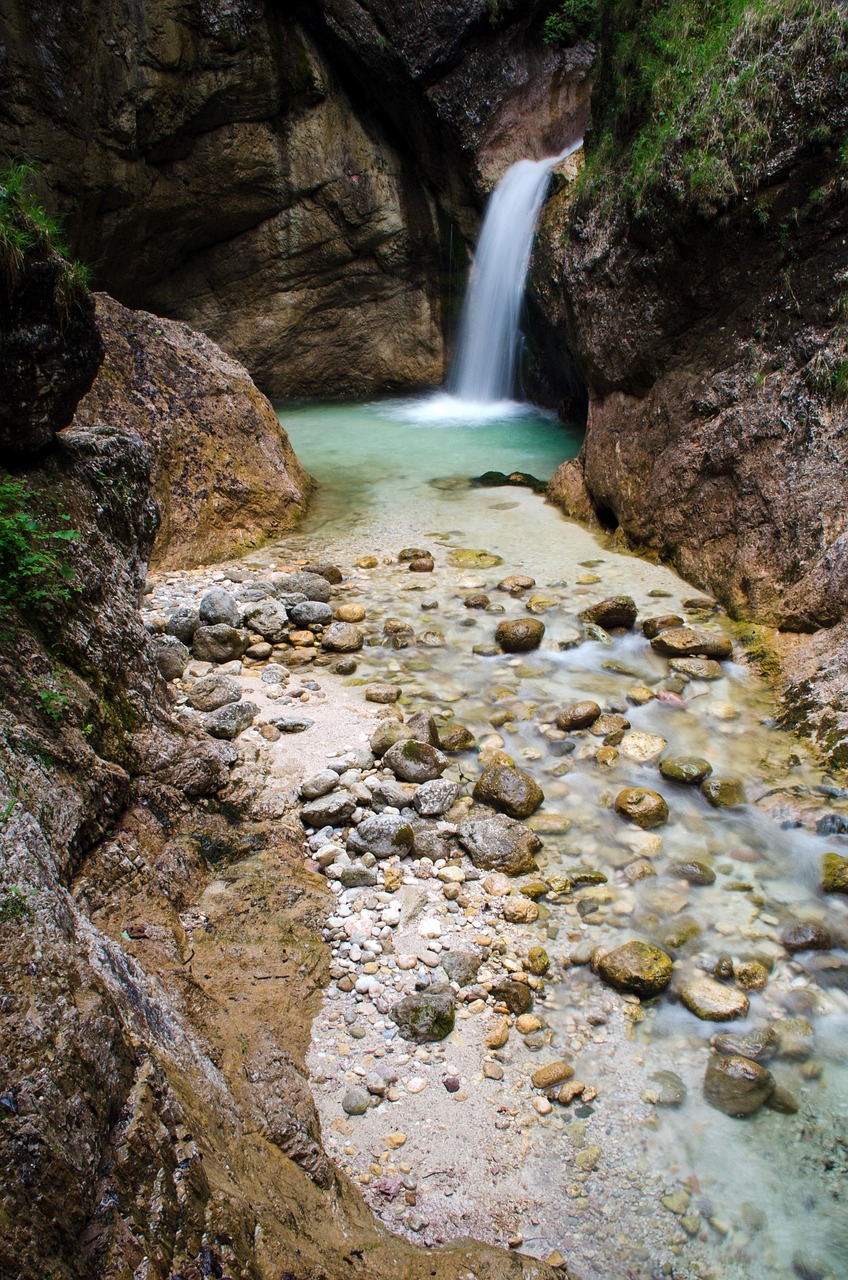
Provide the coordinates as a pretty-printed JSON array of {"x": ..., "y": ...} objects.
[
  {"x": 834, "y": 873},
  {"x": 342, "y": 637},
  {"x": 520, "y": 635},
  {"x": 637, "y": 967},
  {"x": 510, "y": 791},
  {"x": 617, "y": 611},
  {"x": 694, "y": 872},
  {"x": 516, "y": 584},
  {"x": 646, "y": 808},
  {"x": 806, "y": 935},
  {"x": 667, "y": 622},
  {"x": 737, "y": 1086},
  {"x": 644, "y": 748},
  {"x": 697, "y": 668},
  {"x": 711, "y": 1001},
  {"x": 760, "y": 1043},
  {"x": 723, "y": 793},
  {"x": 425, "y": 1016},
  {"x": 579, "y": 715},
  {"x": 387, "y": 734},
  {"x": 383, "y": 693},
  {"x": 415, "y": 761},
  {"x": 686, "y": 642},
  {"x": 665, "y": 1089},
  {"x": 691, "y": 770},
  {"x": 456, "y": 737},
  {"x": 517, "y": 996},
  {"x": 499, "y": 843}
]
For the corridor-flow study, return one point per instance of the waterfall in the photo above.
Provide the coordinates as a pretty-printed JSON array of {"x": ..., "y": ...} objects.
[{"x": 484, "y": 366}]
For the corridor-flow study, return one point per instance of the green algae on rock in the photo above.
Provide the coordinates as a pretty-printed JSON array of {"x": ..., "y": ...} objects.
[
  {"x": 637, "y": 967},
  {"x": 510, "y": 791}
]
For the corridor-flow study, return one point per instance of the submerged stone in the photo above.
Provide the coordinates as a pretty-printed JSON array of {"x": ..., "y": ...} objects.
[
  {"x": 691, "y": 770},
  {"x": 646, "y": 808},
  {"x": 806, "y": 935},
  {"x": 711, "y": 1001},
  {"x": 579, "y": 715},
  {"x": 737, "y": 1086},
  {"x": 425, "y": 1016}
]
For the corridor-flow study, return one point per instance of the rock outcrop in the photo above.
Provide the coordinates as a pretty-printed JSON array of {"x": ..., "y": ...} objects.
[
  {"x": 224, "y": 476},
  {"x": 298, "y": 182}
]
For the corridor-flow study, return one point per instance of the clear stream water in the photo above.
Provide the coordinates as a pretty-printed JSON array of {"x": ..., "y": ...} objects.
[{"x": 766, "y": 1195}]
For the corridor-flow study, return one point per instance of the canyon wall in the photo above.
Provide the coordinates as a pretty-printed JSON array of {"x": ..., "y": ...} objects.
[{"x": 296, "y": 181}]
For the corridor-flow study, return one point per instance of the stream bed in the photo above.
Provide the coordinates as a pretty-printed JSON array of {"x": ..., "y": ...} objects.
[{"x": 671, "y": 1186}]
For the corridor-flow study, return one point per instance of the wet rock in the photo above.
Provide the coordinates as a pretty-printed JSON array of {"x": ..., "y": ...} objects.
[
  {"x": 517, "y": 996},
  {"x": 646, "y": 808},
  {"x": 697, "y": 668},
  {"x": 679, "y": 932},
  {"x": 520, "y": 635},
  {"x": 387, "y": 734},
  {"x": 611, "y": 728},
  {"x": 308, "y": 614},
  {"x": 616, "y": 611},
  {"x": 461, "y": 966},
  {"x": 214, "y": 691},
  {"x": 319, "y": 784},
  {"x": 499, "y": 843},
  {"x": 411, "y": 553},
  {"x": 342, "y": 637},
  {"x": 268, "y": 619},
  {"x": 349, "y": 613},
  {"x": 217, "y": 606},
  {"x": 723, "y": 793},
  {"x": 171, "y": 656},
  {"x": 665, "y": 1089},
  {"x": 384, "y": 835},
  {"x": 691, "y": 770},
  {"x": 423, "y": 727},
  {"x": 737, "y": 1086},
  {"x": 697, "y": 873},
  {"x": 686, "y": 642},
  {"x": 666, "y": 622},
  {"x": 456, "y": 737},
  {"x": 510, "y": 791},
  {"x": 325, "y": 569},
  {"x": 644, "y": 748},
  {"x": 516, "y": 584},
  {"x": 355, "y": 1102},
  {"x": 750, "y": 975},
  {"x": 711, "y": 1001},
  {"x": 760, "y": 1043},
  {"x": 422, "y": 564},
  {"x": 796, "y": 1038},
  {"x": 218, "y": 643},
  {"x": 314, "y": 586},
  {"x": 394, "y": 627},
  {"x": 183, "y": 623},
  {"x": 466, "y": 558},
  {"x": 637, "y": 967},
  {"x": 806, "y": 935},
  {"x": 538, "y": 961},
  {"x": 425, "y": 1016},
  {"x": 477, "y": 600},
  {"x": 579, "y": 715},
  {"x": 383, "y": 693},
  {"x": 834, "y": 873},
  {"x": 434, "y": 798},
  {"x": 229, "y": 721},
  {"x": 329, "y": 810},
  {"x": 415, "y": 761}
]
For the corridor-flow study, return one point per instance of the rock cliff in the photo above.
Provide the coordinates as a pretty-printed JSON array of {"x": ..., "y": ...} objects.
[
  {"x": 285, "y": 178},
  {"x": 696, "y": 278}
]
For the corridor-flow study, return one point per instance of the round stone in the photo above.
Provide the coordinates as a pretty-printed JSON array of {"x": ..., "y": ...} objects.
[
  {"x": 637, "y": 967},
  {"x": 414, "y": 761},
  {"x": 806, "y": 935},
  {"x": 510, "y": 791},
  {"x": 342, "y": 637},
  {"x": 355, "y": 1103},
  {"x": 516, "y": 584},
  {"x": 712, "y": 1001},
  {"x": 520, "y": 635},
  {"x": 349, "y": 613},
  {"x": 579, "y": 715},
  {"x": 737, "y": 1086},
  {"x": 691, "y": 770},
  {"x": 616, "y": 611},
  {"x": 646, "y": 808},
  {"x": 723, "y": 793}
]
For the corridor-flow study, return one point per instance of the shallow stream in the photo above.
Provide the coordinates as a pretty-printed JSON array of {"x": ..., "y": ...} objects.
[{"x": 676, "y": 1190}]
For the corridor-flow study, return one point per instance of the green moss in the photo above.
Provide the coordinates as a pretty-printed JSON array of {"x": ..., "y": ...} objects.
[
  {"x": 33, "y": 571},
  {"x": 691, "y": 97},
  {"x": 14, "y": 908}
]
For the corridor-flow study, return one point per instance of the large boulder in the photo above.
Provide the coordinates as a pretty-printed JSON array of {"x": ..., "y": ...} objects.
[
  {"x": 510, "y": 791},
  {"x": 499, "y": 843},
  {"x": 385, "y": 835},
  {"x": 219, "y": 643},
  {"x": 414, "y": 761}
]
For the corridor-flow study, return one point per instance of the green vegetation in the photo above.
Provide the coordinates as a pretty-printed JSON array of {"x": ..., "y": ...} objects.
[
  {"x": 14, "y": 908},
  {"x": 32, "y": 570},
  {"x": 693, "y": 97},
  {"x": 26, "y": 227},
  {"x": 571, "y": 21}
]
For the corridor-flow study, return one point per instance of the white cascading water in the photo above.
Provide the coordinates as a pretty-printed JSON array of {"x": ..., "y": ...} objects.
[{"x": 484, "y": 366}]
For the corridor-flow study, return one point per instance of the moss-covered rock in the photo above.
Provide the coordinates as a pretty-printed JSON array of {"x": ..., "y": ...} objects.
[{"x": 637, "y": 967}]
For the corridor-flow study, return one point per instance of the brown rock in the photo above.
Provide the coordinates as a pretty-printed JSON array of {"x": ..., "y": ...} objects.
[
  {"x": 685, "y": 642},
  {"x": 617, "y": 611},
  {"x": 552, "y": 1074},
  {"x": 637, "y": 967},
  {"x": 579, "y": 715},
  {"x": 646, "y": 808},
  {"x": 508, "y": 790},
  {"x": 737, "y": 1086},
  {"x": 520, "y": 635}
]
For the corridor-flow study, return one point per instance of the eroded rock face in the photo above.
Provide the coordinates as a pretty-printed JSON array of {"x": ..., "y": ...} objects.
[{"x": 225, "y": 477}]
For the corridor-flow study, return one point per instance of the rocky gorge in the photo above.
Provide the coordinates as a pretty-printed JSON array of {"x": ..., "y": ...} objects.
[{"x": 372, "y": 888}]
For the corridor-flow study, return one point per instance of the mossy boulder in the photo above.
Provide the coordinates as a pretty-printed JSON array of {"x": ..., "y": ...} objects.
[
  {"x": 834, "y": 873},
  {"x": 723, "y": 793},
  {"x": 691, "y": 770},
  {"x": 415, "y": 761},
  {"x": 637, "y": 967},
  {"x": 425, "y": 1016}
]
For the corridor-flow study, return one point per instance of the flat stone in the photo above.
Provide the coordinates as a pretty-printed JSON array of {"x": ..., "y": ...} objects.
[
  {"x": 691, "y": 770},
  {"x": 319, "y": 784},
  {"x": 499, "y": 843},
  {"x": 292, "y": 723},
  {"x": 578, "y": 715},
  {"x": 697, "y": 668},
  {"x": 644, "y": 748},
  {"x": 646, "y": 808},
  {"x": 686, "y": 642},
  {"x": 329, "y": 810},
  {"x": 510, "y": 791},
  {"x": 520, "y": 635},
  {"x": 665, "y": 1089},
  {"x": 414, "y": 761},
  {"x": 357, "y": 876},
  {"x": 616, "y": 611},
  {"x": 760, "y": 1043},
  {"x": 516, "y": 584},
  {"x": 637, "y": 967},
  {"x": 737, "y": 1086},
  {"x": 712, "y": 1001}
]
